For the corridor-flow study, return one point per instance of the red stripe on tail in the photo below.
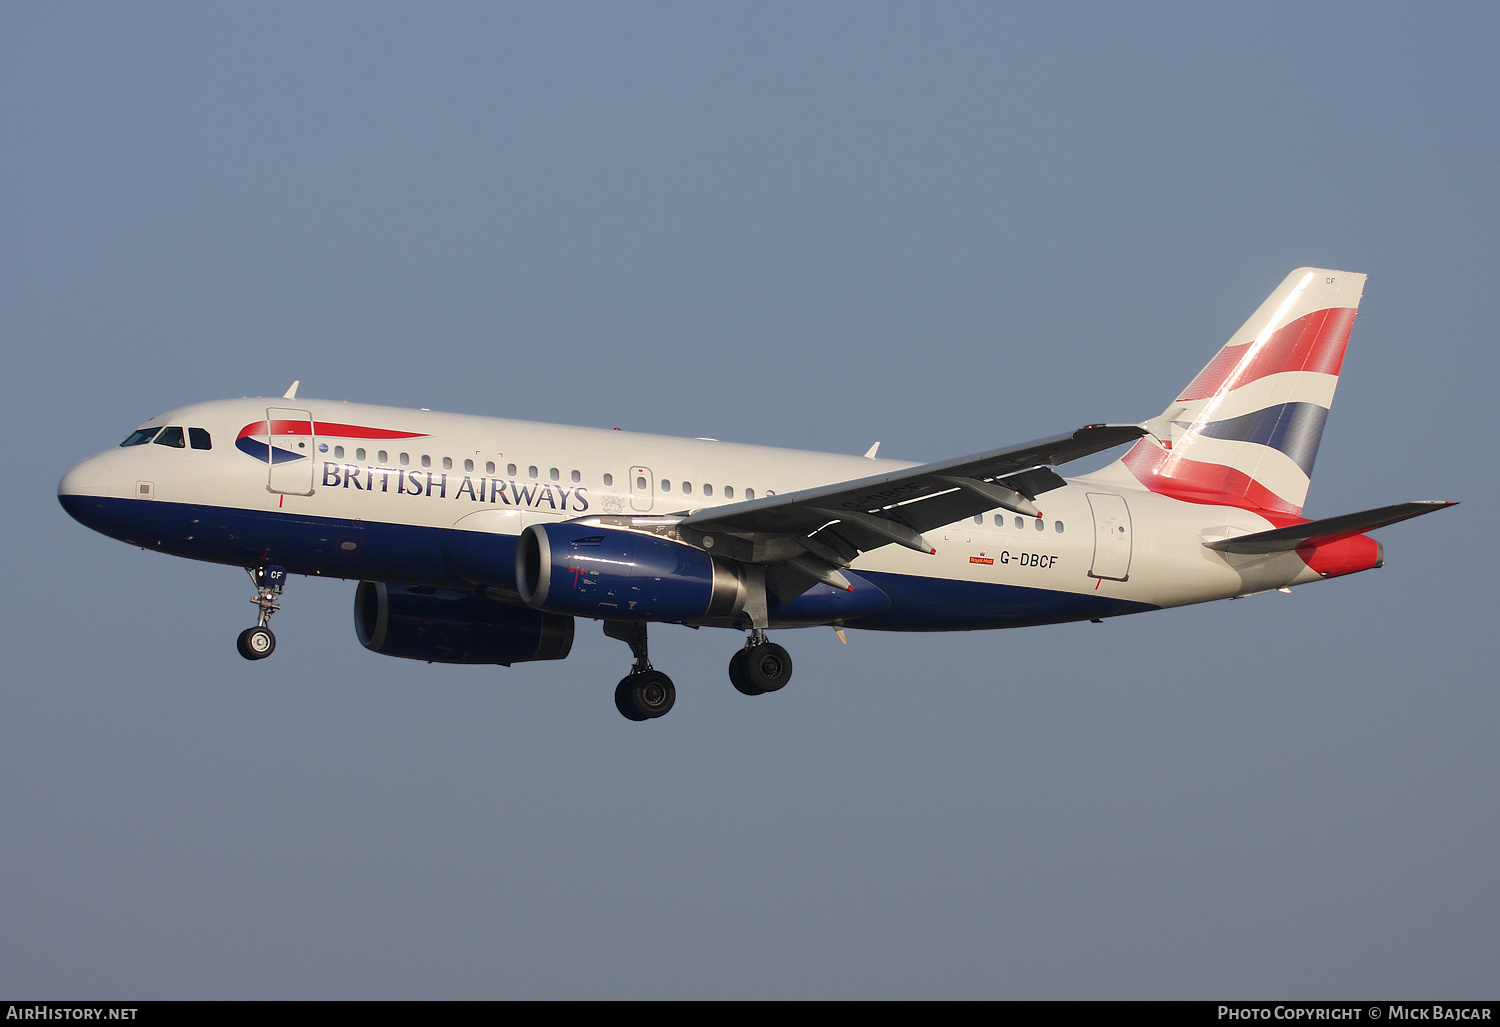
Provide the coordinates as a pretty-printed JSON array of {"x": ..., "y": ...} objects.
[
  {"x": 1313, "y": 342},
  {"x": 1193, "y": 481}
]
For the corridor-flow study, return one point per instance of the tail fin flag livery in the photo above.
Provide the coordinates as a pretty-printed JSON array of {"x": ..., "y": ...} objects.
[
  {"x": 1245, "y": 431},
  {"x": 485, "y": 540}
]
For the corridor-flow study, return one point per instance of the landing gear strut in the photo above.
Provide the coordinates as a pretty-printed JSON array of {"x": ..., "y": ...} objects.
[
  {"x": 644, "y": 693},
  {"x": 257, "y": 643},
  {"x": 761, "y": 666}
]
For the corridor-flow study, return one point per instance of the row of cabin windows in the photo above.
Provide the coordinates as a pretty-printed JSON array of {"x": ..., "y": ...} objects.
[
  {"x": 708, "y": 490},
  {"x": 533, "y": 471},
  {"x": 172, "y": 437},
  {"x": 199, "y": 438},
  {"x": 1040, "y": 524}
]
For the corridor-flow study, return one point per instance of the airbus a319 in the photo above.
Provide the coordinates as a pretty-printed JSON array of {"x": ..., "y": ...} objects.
[{"x": 484, "y": 540}]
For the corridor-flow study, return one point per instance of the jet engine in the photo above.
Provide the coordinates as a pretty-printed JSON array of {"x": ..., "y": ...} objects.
[
  {"x": 445, "y": 626},
  {"x": 593, "y": 571}
]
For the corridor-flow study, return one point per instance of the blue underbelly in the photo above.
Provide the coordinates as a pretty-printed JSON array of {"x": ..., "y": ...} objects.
[{"x": 451, "y": 558}]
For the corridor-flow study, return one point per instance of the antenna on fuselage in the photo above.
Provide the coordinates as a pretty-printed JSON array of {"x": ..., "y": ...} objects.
[{"x": 291, "y": 393}]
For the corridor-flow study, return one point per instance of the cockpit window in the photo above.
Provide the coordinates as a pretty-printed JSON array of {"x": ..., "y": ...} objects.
[
  {"x": 171, "y": 437},
  {"x": 140, "y": 436},
  {"x": 200, "y": 439}
]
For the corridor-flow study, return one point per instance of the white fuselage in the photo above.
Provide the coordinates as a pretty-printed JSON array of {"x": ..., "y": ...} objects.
[{"x": 386, "y": 508}]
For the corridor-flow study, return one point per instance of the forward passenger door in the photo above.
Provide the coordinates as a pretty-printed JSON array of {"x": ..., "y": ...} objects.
[{"x": 291, "y": 451}]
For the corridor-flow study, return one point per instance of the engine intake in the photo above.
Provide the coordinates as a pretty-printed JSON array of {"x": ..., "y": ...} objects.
[{"x": 444, "y": 626}]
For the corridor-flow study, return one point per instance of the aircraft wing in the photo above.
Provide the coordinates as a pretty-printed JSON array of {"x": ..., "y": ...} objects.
[
  {"x": 1329, "y": 529},
  {"x": 823, "y": 528}
]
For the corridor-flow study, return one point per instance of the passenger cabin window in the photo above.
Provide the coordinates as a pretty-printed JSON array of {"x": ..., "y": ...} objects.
[
  {"x": 359, "y": 454},
  {"x": 555, "y": 474},
  {"x": 1020, "y": 523},
  {"x": 609, "y": 479},
  {"x": 426, "y": 460},
  {"x": 1057, "y": 527},
  {"x": 383, "y": 457},
  {"x": 749, "y": 493},
  {"x": 728, "y": 491},
  {"x": 140, "y": 437},
  {"x": 666, "y": 485},
  {"x": 489, "y": 467},
  {"x": 447, "y": 463},
  {"x": 468, "y": 465},
  {"x": 404, "y": 459},
  {"x": 200, "y": 439},
  {"x": 576, "y": 477},
  {"x": 510, "y": 470},
  {"x": 338, "y": 452},
  {"x": 687, "y": 487},
  {"x": 1041, "y": 525},
  {"x": 708, "y": 490},
  {"x": 531, "y": 470},
  {"x": 171, "y": 437}
]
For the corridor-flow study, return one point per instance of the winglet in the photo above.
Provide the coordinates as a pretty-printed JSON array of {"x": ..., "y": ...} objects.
[
  {"x": 291, "y": 393},
  {"x": 870, "y": 453}
]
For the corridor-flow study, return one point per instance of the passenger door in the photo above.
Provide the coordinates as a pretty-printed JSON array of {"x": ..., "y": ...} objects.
[
  {"x": 291, "y": 453},
  {"x": 1111, "y": 537}
]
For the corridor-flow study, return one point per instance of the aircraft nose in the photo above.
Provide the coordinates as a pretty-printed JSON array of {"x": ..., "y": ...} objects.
[{"x": 90, "y": 478}]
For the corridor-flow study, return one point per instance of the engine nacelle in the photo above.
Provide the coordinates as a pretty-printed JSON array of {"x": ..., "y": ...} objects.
[
  {"x": 605, "y": 572},
  {"x": 444, "y": 626}
]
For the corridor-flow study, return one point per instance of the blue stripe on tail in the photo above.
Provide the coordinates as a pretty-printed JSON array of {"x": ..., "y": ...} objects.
[{"x": 1293, "y": 428}]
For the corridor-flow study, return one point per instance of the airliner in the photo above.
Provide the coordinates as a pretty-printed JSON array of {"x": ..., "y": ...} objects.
[{"x": 483, "y": 540}]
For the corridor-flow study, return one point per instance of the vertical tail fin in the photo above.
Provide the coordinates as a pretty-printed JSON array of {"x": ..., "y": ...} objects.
[{"x": 1245, "y": 431}]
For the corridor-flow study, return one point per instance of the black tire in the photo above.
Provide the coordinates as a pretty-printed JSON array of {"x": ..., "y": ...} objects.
[
  {"x": 625, "y": 704},
  {"x": 739, "y": 676},
  {"x": 256, "y": 643},
  {"x": 768, "y": 667},
  {"x": 653, "y": 693}
]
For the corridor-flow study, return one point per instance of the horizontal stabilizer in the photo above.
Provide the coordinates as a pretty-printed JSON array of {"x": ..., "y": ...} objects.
[{"x": 1329, "y": 529}]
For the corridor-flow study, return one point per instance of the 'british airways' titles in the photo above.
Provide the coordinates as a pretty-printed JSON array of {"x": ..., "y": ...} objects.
[{"x": 535, "y": 495}]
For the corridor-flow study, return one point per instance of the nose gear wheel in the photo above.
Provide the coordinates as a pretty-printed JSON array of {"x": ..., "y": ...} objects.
[{"x": 257, "y": 643}]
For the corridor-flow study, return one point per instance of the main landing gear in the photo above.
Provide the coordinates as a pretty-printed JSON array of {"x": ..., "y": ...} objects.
[
  {"x": 644, "y": 693},
  {"x": 761, "y": 666},
  {"x": 257, "y": 643}
]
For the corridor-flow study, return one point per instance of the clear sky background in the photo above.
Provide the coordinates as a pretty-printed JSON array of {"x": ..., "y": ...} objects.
[{"x": 945, "y": 227}]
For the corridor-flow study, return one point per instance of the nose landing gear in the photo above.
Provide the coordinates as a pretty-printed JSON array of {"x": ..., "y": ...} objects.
[
  {"x": 257, "y": 643},
  {"x": 761, "y": 666}
]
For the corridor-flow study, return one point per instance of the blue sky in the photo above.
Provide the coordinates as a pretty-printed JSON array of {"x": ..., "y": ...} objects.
[{"x": 946, "y": 228}]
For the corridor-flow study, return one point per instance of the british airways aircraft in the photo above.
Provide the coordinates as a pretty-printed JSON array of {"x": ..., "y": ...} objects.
[{"x": 482, "y": 540}]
